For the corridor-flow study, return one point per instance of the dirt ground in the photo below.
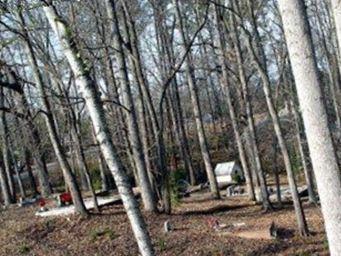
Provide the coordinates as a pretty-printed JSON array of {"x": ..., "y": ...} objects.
[{"x": 21, "y": 233}]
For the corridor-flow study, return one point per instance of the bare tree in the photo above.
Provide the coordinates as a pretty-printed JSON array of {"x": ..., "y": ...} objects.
[
  {"x": 50, "y": 123},
  {"x": 146, "y": 191},
  {"x": 226, "y": 87},
  {"x": 196, "y": 105},
  {"x": 321, "y": 148},
  {"x": 96, "y": 112}
]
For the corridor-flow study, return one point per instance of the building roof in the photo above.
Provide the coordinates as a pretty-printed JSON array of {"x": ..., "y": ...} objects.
[{"x": 226, "y": 168}]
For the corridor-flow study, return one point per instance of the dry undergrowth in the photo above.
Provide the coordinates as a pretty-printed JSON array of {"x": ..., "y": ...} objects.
[{"x": 109, "y": 234}]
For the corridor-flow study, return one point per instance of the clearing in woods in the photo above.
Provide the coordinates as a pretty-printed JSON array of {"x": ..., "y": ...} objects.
[{"x": 192, "y": 223}]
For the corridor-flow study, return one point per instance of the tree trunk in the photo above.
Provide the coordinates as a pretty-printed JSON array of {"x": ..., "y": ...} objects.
[
  {"x": 5, "y": 187},
  {"x": 276, "y": 172},
  {"x": 38, "y": 154},
  {"x": 302, "y": 225},
  {"x": 96, "y": 112},
  {"x": 336, "y": 6},
  {"x": 5, "y": 149},
  {"x": 107, "y": 180},
  {"x": 82, "y": 162},
  {"x": 6, "y": 192},
  {"x": 307, "y": 171},
  {"x": 251, "y": 137},
  {"x": 19, "y": 180},
  {"x": 134, "y": 137},
  {"x": 314, "y": 114},
  {"x": 106, "y": 176},
  {"x": 50, "y": 124},
  {"x": 333, "y": 73},
  {"x": 196, "y": 107},
  {"x": 181, "y": 133},
  {"x": 30, "y": 172},
  {"x": 227, "y": 90},
  {"x": 34, "y": 138},
  {"x": 136, "y": 65},
  {"x": 157, "y": 126},
  {"x": 75, "y": 136}
]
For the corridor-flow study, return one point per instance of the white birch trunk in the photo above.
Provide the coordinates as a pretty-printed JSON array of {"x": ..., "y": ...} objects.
[
  {"x": 69, "y": 177},
  {"x": 96, "y": 112},
  {"x": 322, "y": 153},
  {"x": 336, "y": 6}
]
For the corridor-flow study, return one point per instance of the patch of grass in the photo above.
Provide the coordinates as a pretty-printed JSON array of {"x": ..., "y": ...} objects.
[
  {"x": 24, "y": 248},
  {"x": 216, "y": 252},
  {"x": 161, "y": 243},
  {"x": 94, "y": 234},
  {"x": 303, "y": 254}
]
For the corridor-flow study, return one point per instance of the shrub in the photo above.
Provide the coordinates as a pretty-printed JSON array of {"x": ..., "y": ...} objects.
[
  {"x": 296, "y": 162},
  {"x": 94, "y": 234},
  {"x": 24, "y": 248},
  {"x": 95, "y": 174},
  {"x": 175, "y": 185},
  {"x": 161, "y": 243},
  {"x": 237, "y": 178}
]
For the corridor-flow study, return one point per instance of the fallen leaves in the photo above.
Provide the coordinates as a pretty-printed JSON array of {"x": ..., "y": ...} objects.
[{"x": 109, "y": 233}]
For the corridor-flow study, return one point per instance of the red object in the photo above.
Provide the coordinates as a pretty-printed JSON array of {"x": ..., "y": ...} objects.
[
  {"x": 65, "y": 198},
  {"x": 42, "y": 202}
]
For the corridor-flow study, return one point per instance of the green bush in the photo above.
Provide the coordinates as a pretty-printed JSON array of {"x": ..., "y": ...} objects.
[
  {"x": 161, "y": 243},
  {"x": 237, "y": 178},
  {"x": 95, "y": 174},
  {"x": 24, "y": 248},
  {"x": 296, "y": 162},
  {"x": 175, "y": 188},
  {"x": 97, "y": 184}
]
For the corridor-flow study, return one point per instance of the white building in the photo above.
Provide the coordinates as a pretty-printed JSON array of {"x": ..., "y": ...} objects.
[{"x": 227, "y": 172}]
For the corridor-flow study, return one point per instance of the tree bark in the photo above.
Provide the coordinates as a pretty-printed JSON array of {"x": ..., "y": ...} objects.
[
  {"x": 5, "y": 188},
  {"x": 196, "y": 106},
  {"x": 136, "y": 64},
  {"x": 157, "y": 123},
  {"x": 134, "y": 137},
  {"x": 301, "y": 221},
  {"x": 50, "y": 124},
  {"x": 30, "y": 172},
  {"x": 6, "y": 192},
  {"x": 32, "y": 130},
  {"x": 37, "y": 151},
  {"x": 251, "y": 138},
  {"x": 96, "y": 112},
  {"x": 336, "y": 6},
  {"x": 226, "y": 88},
  {"x": 5, "y": 150},
  {"x": 19, "y": 179},
  {"x": 314, "y": 114},
  {"x": 307, "y": 171}
]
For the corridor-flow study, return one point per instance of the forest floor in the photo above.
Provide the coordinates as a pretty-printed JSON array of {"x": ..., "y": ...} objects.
[{"x": 21, "y": 233}]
